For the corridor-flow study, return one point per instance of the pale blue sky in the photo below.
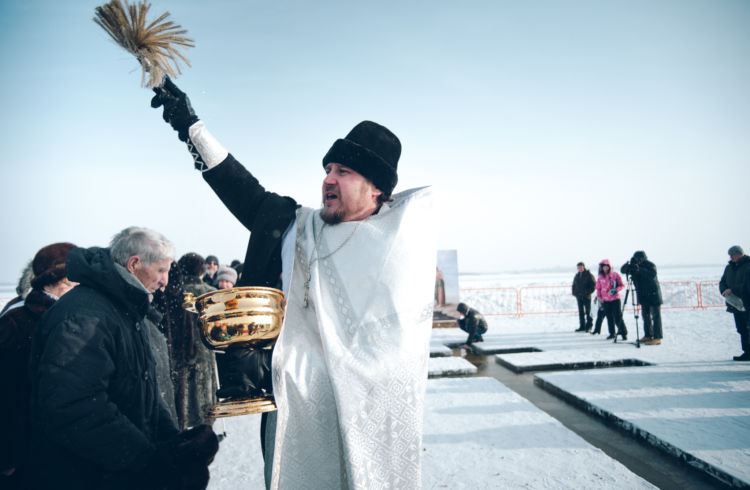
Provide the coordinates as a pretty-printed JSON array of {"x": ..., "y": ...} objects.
[{"x": 553, "y": 131}]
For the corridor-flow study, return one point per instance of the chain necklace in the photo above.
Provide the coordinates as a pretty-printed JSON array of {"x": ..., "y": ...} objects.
[{"x": 318, "y": 258}]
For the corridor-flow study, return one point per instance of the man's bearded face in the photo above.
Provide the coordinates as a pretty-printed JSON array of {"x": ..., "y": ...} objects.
[{"x": 347, "y": 195}]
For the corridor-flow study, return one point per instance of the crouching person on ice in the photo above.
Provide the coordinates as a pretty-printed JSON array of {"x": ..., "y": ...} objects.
[
  {"x": 98, "y": 419},
  {"x": 350, "y": 364}
]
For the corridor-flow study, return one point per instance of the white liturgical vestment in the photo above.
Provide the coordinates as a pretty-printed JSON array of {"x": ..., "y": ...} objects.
[{"x": 349, "y": 369}]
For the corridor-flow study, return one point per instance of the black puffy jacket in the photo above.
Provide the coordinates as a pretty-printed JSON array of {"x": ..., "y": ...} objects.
[
  {"x": 584, "y": 284},
  {"x": 95, "y": 406},
  {"x": 645, "y": 280},
  {"x": 734, "y": 277}
]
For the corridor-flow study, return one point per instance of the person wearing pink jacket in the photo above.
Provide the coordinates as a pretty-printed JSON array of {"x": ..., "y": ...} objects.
[{"x": 608, "y": 286}]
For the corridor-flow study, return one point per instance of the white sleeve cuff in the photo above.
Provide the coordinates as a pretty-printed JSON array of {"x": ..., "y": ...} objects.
[{"x": 210, "y": 149}]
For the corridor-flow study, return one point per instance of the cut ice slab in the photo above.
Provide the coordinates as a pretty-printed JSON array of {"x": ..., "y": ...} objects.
[
  {"x": 697, "y": 411},
  {"x": 627, "y": 355},
  {"x": 480, "y": 434},
  {"x": 450, "y": 366}
]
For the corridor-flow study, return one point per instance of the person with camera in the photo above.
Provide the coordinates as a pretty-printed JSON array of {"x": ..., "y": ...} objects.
[
  {"x": 608, "y": 286},
  {"x": 584, "y": 285},
  {"x": 647, "y": 289}
]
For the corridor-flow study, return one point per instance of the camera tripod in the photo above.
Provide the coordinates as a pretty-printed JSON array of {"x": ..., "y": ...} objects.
[{"x": 631, "y": 292}]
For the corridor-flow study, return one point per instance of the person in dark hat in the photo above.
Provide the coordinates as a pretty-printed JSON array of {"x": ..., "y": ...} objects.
[
  {"x": 730, "y": 286},
  {"x": 212, "y": 266},
  {"x": 358, "y": 274},
  {"x": 643, "y": 273},
  {"x": 17, "y": 327}
]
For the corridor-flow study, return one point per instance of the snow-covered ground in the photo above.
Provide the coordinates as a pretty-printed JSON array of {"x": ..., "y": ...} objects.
[
  {"x": 690, "y": 399},
  {"x": 478, "y": 434}
]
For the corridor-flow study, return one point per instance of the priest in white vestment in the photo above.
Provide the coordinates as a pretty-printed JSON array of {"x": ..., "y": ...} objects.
[{"x": 350, "y": 365}]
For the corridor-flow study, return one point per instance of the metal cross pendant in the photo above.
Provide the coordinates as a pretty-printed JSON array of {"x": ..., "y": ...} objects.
[{"x": 307, "y": 289}]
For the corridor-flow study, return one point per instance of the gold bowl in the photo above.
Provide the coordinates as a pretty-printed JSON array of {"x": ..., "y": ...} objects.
[{"x": 244, "y": 316}]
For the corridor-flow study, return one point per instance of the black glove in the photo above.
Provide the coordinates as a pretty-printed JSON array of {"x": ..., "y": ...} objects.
[
  {"x": 181, "y": 463},
  {"x": 177, "y": 109},
  {"x": 244, "y": 372}
]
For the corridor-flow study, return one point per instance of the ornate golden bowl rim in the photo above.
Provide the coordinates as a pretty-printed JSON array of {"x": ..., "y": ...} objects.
[{"x": 235, "y": 289}]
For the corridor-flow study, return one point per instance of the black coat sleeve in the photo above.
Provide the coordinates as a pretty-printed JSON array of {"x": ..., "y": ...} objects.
[
  {"x": 247, "y": 199},
  {"x": 267, "y": 215},
  {"x": 723, "y": 281}
]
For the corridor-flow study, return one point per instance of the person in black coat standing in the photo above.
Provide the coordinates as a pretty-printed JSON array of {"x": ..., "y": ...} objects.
[
  {"x": 648, "y": 291},
  {"x": 97, "y": 417},
  {"x": 730, "y": 286},
  {"x": 584, "y": 285}
]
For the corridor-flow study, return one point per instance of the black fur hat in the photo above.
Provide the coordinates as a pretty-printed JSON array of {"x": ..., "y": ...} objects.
[{"x": 371, "y": 150}]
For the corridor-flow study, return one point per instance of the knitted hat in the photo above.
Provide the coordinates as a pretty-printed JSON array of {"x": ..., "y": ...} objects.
[
  {"x": 191, "y": 264},
  {"x": 226, "y": 274},
  {"x": 212, "y": 258},
  {"x": 371, "y": 150},
  {"x": 735, "y": 250},
  {"x": 639, "y": 255},
  {"x": 462, "y": 308},
  {"x": 49, "y": 264}
]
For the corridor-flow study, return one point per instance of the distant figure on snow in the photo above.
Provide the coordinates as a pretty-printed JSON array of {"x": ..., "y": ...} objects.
[
  {"x": 608, "y": 287},
  {"x": 473, "y": 323},
  {"x": 584, "y": 285},
  {"x": 730, "y": 286},
  {"x": 648, "y": 291}
]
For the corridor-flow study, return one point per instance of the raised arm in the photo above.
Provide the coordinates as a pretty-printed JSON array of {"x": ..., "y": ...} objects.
[{"x": 256, "y": 208}]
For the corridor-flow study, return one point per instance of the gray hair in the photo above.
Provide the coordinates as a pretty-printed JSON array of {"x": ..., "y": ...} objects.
[{"x": 151, "y": 246}]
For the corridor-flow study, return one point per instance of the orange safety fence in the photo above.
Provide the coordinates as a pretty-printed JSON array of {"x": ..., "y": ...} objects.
[
  {"x": 680, "y": 294},
  {"x": 541, "y": 300},
  {"x": 492, "y": 301},
  {"x": 710, "y": 295}
]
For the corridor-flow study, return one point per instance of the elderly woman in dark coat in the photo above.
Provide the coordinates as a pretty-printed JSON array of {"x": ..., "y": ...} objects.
[{"x": 17, "y": 326}]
